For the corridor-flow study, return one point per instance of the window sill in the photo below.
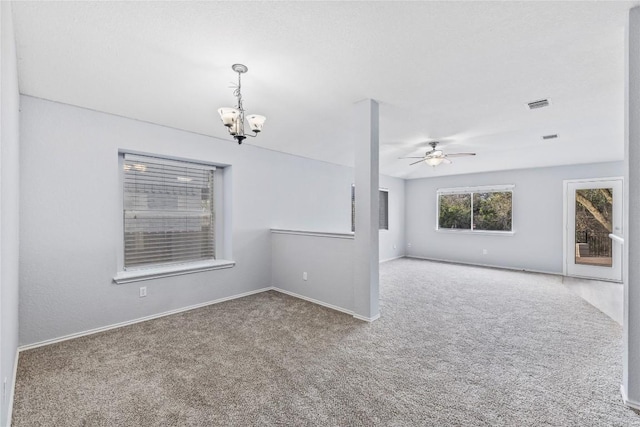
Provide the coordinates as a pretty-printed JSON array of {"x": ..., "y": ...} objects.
[
  {"x": 479, "y": 232},
  {"x": 172, "y": 270}
]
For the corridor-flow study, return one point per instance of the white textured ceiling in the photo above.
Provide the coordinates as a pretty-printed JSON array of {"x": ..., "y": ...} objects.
[{"x": 460, "y": 72}]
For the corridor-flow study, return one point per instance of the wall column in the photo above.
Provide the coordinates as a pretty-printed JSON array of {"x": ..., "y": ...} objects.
[
  {"x": 366, "y": 256},
  {"x": 9, "y": 208},
  {"x": 631, "y": 362}
]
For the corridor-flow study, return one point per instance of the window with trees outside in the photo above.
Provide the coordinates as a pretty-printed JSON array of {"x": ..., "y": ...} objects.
[{"x": 476, "y": 209}]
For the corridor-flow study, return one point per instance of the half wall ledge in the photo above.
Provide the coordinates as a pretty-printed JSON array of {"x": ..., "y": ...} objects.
[{"x": 330, "y": 235}]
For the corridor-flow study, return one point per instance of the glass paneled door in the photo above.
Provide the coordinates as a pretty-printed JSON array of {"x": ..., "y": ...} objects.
[{"x": 594, "y": 210}]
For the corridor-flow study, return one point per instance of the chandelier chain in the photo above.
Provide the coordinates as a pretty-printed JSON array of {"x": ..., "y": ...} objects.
[{"x": 238, "y": 94}]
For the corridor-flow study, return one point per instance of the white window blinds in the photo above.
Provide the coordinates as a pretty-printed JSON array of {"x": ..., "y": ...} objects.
[
  {"x": 168, "y": 211},
  {"x": 353, "y": 208}
]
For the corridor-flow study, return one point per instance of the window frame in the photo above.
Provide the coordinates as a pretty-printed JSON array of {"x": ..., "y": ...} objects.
[
  {"x": 353, "y": 208},
  {"x": 385, "y": 225},
  {"x": 221, "y": 208},
  {"x": 503, "y": 188}
]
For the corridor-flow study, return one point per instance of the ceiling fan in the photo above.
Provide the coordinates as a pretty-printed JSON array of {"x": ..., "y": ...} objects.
[{"x": 435, "y": 156}]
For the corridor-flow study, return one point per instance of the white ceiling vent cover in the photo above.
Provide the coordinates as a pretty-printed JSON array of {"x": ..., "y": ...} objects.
[{"x": 538, "y": 104}]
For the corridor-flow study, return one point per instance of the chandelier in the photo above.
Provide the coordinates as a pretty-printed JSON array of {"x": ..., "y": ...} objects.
[{"x": 233, "y": 118}]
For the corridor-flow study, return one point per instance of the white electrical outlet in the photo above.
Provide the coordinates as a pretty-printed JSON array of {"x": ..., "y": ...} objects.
[
  {"x": 143, "y": 291},
  {"x": 304, "y": 275},
  {"x": 484, "y": 252},
  {"x": 408, "y": 245}
]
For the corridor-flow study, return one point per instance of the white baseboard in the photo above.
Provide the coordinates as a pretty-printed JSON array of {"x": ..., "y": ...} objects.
[
  {"x": 448, "y": 261},
  {"x": 331, "y": 306},
  {"x": 315, "y": 301},
  {"x": 138, "y": 320},
  {"x": 180, "y": 310},
  {"x": 626, "y": 401},
  {"x": 13, "y": 388},
  {"x": 367, "y": 319},
  {"x": 391, "y": 259}
]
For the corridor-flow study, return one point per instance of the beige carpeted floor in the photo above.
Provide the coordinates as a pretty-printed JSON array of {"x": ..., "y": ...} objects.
[{"x": 455, "y": 345}]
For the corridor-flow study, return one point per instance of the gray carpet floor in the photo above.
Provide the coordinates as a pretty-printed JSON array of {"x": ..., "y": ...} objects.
[{"x": 455, "y": 345}]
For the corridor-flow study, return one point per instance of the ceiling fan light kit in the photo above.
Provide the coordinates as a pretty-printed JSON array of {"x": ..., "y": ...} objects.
[
  {"x": 433, "y": 161},
  {"x": 233, "y": 117}
]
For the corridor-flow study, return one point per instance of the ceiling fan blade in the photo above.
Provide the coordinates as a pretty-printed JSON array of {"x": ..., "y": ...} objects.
[
  {"x": 419, "y": 161},
  {"x": 447, "y": 161},
  {"x": 460, "y": 154},
  {"x": 421, "y": 157}
]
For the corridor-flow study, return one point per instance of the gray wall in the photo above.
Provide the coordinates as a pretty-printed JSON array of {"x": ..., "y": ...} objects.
[
  {"x": 537, "y": 218},
  {"x": 631, "y": 327},
  {"x": 9, "y": 200},
  {"x": 328, "y": 262},
  {"x": 70, "y": 216}
]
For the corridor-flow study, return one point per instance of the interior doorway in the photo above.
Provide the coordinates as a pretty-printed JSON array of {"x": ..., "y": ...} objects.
[{"x": 593, "y": 212}]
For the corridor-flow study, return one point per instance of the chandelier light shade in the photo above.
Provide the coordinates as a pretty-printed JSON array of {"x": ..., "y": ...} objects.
[
  {"x": 233, "y": 118},
  {"x": 229, "y": 116},
  {"x": 256, "y": 122}
]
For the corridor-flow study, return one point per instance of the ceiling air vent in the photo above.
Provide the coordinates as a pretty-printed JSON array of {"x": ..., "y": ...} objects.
[
  {"x": 538, "y": 104},
  {"x": 554, "y": 136}
]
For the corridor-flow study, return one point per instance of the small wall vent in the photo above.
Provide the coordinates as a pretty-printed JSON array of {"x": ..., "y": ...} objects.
[
  {"x": 554, "y": 136},
  {"x": 538, "y": 104}
]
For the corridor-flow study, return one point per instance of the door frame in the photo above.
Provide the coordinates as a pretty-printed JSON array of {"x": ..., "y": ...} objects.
[{"x": 565, "y": 218}]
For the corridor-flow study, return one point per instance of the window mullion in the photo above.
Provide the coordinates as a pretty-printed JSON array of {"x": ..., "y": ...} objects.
[{"x": 472, "y": 227}]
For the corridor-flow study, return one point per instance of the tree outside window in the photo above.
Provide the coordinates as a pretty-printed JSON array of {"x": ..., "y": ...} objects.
[{"x": 482, "y": 210}]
